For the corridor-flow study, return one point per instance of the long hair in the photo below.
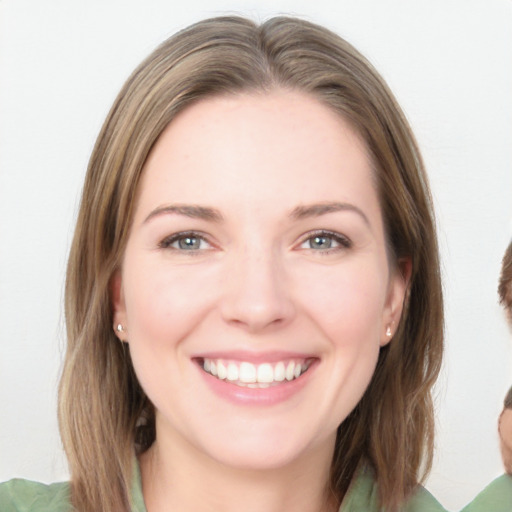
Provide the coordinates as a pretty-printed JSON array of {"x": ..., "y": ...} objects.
[{"x": 104, "y": 414}]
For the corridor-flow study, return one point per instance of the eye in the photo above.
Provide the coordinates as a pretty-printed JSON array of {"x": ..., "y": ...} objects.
[
  {"x": 325, "y": 241},
  {"x": 189, "y": 241}
]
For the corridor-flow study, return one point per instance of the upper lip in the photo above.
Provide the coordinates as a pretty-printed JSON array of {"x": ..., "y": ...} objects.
[{"x": 254, "y": 357}]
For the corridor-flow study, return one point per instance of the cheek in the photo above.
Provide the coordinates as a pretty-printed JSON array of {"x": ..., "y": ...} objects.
[
  {"x": 163, "y": 304},
  {"x": 348, "y": 311},
  {"x": 348, "y": 304},
  {"x": 506, "y": 427}
]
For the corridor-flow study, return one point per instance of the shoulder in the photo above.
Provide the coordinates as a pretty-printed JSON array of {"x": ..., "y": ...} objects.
[
  {"x": 423, "y": 501},
  {"x": 497, "y": 496},
  {"x": 19, "y": 495},
  {"x": 363, "y": 495}
]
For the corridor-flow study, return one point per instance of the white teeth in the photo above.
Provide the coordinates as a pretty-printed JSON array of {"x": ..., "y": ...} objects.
[
  {"x": 254, "y": 376},
  {"x": 232, "y": 372},
  {"x": 222, "y": 371},
  {"x": 265, "y": 373},
  {"x": 247, "y": 373},
  {"x": 279, "y": 372},
  {"x": 290, "y": 369}
]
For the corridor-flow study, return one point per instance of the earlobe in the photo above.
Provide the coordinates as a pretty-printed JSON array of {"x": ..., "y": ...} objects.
[
  {"x": 118, "y": 306},
  {"x": 397, "y": 294},
  {"x": 387, "y": 336}
]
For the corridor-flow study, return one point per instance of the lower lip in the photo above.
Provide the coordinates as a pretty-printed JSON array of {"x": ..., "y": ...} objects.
[{"x": 272, "y": 395}]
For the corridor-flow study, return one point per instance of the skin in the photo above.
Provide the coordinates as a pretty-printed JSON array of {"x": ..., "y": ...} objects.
[
  {"x": 256, "y": 284},
  {"x": 505, "y": 431}
]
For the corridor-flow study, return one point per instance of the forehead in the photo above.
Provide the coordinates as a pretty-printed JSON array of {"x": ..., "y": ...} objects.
[{"x": 284, "y": 143}]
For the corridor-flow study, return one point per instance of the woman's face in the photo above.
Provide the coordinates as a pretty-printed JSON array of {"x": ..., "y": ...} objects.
[{"x": 255, "y": 290}]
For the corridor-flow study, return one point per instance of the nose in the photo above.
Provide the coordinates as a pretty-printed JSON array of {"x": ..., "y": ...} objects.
[{"x": 257, "y": 294}]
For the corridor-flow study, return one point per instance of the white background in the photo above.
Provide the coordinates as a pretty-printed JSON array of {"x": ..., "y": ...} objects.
[{"x": 449, "y": 62}]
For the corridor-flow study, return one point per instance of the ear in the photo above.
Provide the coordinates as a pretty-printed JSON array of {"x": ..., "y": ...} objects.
[
  {"x": 397, "y": 292},
  {"x": 118, "y": 306}
]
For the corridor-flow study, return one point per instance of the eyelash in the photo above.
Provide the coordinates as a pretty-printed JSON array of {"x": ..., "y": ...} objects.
[
  {"x": 342, "y": 241},
  {"x": 166, "y": 243}
]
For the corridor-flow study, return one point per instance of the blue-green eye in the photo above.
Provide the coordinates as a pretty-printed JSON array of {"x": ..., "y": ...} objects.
[
  {"x": 324, "y": 241},
  {"x": 185, "y": 242},
  {"x": 321, "y": 242},
  {"x": 189, "y": 243}
]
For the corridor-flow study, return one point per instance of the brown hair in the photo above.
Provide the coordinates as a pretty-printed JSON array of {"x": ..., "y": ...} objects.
[
  {"x": 102, "y": 405},
  {"x": 505, "y": 284},
  {"x": 507, "y": 403}
]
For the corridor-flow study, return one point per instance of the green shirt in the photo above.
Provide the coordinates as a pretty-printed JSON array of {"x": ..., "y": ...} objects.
[
  {"x": 23, "y": 496},
  {"x": 496, "y": 497},
  {"x": 363, "y": 497}
]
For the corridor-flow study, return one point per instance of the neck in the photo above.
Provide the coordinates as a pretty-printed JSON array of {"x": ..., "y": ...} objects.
[{"x": 178, "y": 480}]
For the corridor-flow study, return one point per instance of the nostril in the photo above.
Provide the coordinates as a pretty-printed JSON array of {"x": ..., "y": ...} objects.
[{"x": 256, "y": 296}]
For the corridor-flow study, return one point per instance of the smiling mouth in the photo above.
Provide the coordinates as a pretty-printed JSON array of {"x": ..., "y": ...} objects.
[{"x": 246, "y": 374}]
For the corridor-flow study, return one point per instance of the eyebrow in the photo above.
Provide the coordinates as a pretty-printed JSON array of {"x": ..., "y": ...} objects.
[
  {"x": 316, "y": 210},
  {"x": 212, "y": 214},
  {"x": 192, "y": 211}
]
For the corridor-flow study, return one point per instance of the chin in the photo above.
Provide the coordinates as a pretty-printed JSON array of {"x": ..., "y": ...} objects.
[
  {"x": 257, "y": 459},
  {"x": 269, "y": 450}
]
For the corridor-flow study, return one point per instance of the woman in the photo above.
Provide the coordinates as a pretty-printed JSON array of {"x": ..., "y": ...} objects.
[
  {"x": 253, "y": 299},
  {"x": 505, "y": 421},
  {"x": 497, "y": 496}
]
